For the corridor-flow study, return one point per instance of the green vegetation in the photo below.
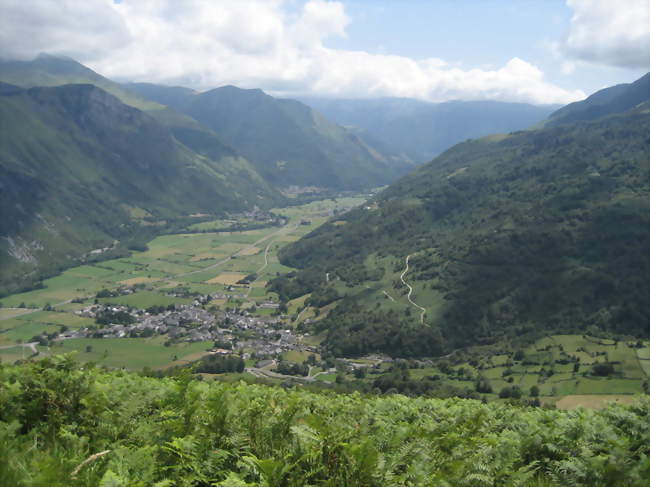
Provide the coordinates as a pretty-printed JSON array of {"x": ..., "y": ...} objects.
[
  {"x": 65, "y": 426},
  {"x": 533, "y": 233},
  {"x": 288, "y": 142},
  {"x": 170, "y": 271},
  {"x": 87, "y": 178},
  {"x": 615, "y": 99}
]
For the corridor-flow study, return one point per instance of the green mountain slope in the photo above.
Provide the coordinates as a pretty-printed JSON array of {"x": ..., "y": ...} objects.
[
  {"x": 79, "y": 169},
  {"x": 418, "y": 130},
  {"x": 508, "y": 235},
  {"x": 615, "y": 99},
  {"x": 48, "y": 70},
  {"x": 289, "y": 143}
]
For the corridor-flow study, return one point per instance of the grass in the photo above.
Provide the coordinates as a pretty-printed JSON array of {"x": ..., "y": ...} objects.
[
  {"x": 227, "y": 278},
  {"x": 145, "y": 299},
  {"x": 6, "y": 313},
  {"x": 592, "y": 401},
  {"x": 130, "y": 353},
  {"x": 170, "y": 261},
  {"x": 298, "y": 357}
]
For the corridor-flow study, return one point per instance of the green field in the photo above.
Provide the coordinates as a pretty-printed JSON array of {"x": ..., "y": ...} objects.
[
  {"x": 130, "y": 353},
  {"x": 188, "y": 260}
]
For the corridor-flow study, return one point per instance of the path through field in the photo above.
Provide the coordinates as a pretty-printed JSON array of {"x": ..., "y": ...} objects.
[{"x": 408, "y": 296}]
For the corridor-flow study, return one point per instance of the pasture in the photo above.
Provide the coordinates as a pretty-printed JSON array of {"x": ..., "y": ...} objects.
[{"x": 204, "y": 263}]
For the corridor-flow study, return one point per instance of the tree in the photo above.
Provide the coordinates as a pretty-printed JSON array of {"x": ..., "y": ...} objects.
[
  {"x": 602, "y": 369},
  {"x": 483, "y": 385},
  {"x": 534, "y": 391},
  {"x": 89, "y": 348}
]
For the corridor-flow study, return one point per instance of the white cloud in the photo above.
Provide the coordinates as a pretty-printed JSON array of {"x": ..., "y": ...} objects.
[
  {"x": 250, "y": 43},
  {"x": 610, "y": 32},
  {"x": 84, "y": 30}
]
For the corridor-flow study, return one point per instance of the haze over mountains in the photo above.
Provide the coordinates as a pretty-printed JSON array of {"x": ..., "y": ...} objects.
[
  {"x": 80, "y": 170},
  {"x": 418, "y": 130}
]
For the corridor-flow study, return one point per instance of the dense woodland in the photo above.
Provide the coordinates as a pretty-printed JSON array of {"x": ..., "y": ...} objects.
[
  {"x": 548, "y": 229},
  {"x": 62, "y": 425}
]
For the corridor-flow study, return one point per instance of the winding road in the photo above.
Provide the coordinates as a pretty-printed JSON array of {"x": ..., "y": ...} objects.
[{"x": 408, "y": 296}]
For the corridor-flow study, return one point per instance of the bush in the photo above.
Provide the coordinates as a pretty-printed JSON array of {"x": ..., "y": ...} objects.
[
  {"x": 602, "y": 369},
  {"x": 510, "y": 392}
]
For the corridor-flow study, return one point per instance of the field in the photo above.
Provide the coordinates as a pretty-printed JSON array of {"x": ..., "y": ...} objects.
[
  {"x": 130, "y": 353},
  {"x": 206, "y": 263},
  {"x": 592, "y": 401},
  {"x": 548, "y": 364},
  {"x": 210, "y": 263}
]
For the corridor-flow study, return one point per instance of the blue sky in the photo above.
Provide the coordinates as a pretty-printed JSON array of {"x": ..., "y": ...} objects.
[
  {"x": 477, "y": 34},
  {"x": 537, "y": 51}
]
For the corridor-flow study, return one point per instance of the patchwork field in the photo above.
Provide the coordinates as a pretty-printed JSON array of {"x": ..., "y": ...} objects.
[
  {"x": 205, "y": 263},
  {"x": 227, "y": 278}
]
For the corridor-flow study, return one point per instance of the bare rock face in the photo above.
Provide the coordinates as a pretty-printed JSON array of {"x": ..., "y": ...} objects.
[{"x": 23, "y": 250}]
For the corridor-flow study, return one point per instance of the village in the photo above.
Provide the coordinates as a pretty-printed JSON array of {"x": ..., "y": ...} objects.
[{"x": 231, "y": 330}]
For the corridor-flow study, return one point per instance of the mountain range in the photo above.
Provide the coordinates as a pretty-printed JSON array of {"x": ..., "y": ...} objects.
[
  {"x": 88, "y": 163},
  {"x": 505, "y": 236},
  {"x": 81, "y": 170},
  {"x": 418, "y": 131},
  {"x": 289, "y": 143}
]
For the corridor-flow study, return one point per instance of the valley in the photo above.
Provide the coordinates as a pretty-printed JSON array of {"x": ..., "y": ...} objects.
[
  {"x": 324, "y": 243},
  {"x": 203, "y": 294},
  {"x": 215, "y": 267}
]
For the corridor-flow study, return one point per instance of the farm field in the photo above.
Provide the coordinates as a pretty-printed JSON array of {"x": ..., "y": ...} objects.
[
  {"x": 204, "y": 263},
  {"x": 131, "y": 353},
  {"x": 548, "y": 364}
]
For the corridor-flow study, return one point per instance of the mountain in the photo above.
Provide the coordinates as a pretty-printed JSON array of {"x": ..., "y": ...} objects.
[
  {"x": 47, "y": 70},
  {"x": 288, "y": 142},
  {"x": 512, "y": 235},
  {"x": 615, "y": 99},
  {"x": 418, "y": 130},
  {"x": 80, "y": 170}
]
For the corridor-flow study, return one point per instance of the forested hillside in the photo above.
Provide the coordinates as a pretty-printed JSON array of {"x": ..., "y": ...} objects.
[
  {"x": 61, "y": 425},
  {"x": 289, "y": 143},
  {"x": 508, "y": 235},
  {"x": 615, "y": 99},
  {"x": 81, "y": 170}
]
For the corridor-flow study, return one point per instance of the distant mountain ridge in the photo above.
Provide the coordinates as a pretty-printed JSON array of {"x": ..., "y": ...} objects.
[
  {"x": 612, "y": 100},
  {"x": 289, "y": 143},
  {"x": 419, "y": 130}
]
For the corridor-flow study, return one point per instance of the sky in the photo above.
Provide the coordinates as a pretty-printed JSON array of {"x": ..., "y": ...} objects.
[{"x": 534, "y": 51}]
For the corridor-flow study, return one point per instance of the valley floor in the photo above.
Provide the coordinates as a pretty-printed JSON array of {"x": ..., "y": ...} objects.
[{"x": 159, "y": 298}]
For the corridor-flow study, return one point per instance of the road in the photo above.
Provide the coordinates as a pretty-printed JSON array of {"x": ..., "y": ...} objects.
[
  {"x": 30, "y": 345},
  {"x": 408, "y": 296},
  {"x": 388, "y": 295},
  {"x": 263, "y": 373}
]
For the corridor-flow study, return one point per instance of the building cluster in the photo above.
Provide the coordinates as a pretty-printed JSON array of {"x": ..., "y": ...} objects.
[{"x": 232, "y": 330}]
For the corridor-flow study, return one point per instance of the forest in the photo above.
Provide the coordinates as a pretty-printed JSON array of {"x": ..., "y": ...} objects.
[{"x": 539, "y": 230}]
